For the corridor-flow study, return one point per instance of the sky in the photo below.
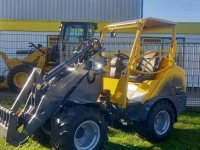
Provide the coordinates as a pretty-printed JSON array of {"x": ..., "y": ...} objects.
[{"x": 173, "y": 10}]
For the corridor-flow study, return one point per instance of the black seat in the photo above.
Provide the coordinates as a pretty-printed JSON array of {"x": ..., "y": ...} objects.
[{"x": 153, "y": 66}]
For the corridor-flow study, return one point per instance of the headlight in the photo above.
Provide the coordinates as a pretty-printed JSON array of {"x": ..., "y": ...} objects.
[
  {"x": 96, "y": 66},
  {"x": 71, "y": 69},
  {"x": 103, "y": 54}
]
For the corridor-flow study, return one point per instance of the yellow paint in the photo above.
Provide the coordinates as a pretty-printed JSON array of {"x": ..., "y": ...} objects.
[
  {"x": 20, "y": 25},
  {"x": 4, "y": 83},
  {"x": 36, "y": 26},
  {"x": 152, "y": 88},
  {"x": 170, "y": 61},
  {"x": 147, "y": 87},
  {"x": 177, "y": 72},
  {"x": 10, "y": 63},
  {"x": 20, "y": 79},
  {"x": 110, "y": 84},
  {"x": 35, "y": 57},
  {"x": 52, "y": 26},
  {"x": 118, "y": 90}
]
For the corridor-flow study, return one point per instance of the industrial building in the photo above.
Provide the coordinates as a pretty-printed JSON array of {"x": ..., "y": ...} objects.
[
  {"x": 44, "y": 17},
  {"x": 23, "y": 21}
]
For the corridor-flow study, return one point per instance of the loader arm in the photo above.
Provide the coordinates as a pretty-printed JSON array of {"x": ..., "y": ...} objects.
[{"x": 47, "y": 95}]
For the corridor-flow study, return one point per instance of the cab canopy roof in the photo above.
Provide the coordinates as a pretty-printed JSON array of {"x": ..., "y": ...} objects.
[{"x": 149, "y": 24}]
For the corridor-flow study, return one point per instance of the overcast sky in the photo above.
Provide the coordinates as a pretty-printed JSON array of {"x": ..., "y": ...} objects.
[{"x": 174, "y": 10}]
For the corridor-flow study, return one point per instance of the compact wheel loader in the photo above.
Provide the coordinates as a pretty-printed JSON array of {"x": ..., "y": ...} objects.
[{"x": 73, "y": 105}]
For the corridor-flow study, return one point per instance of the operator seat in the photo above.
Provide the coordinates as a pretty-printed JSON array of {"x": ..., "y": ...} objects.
[
  {"x": 153, "y": 65},
  {"x": 117, "y": 66}
]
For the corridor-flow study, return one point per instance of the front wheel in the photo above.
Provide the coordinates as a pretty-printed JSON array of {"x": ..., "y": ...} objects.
[{"x": 79, "y": 128}]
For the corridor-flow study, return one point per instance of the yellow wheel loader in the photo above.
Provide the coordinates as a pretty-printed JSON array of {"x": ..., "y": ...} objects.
[
  {"x": 19, "y": 70},
  {"x": 72, "y": 106},
  {"x": 71, "y": 35}
]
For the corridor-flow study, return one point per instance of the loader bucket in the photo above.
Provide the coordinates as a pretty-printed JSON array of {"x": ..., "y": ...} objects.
[
  {"x": 9, "y": 118},
  {"x": 8, "y": 126}
]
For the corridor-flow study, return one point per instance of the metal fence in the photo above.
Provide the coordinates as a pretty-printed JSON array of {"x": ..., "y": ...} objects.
[{"x": 188, "y": 57}]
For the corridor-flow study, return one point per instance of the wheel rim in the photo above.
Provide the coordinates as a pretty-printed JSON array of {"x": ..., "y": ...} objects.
[
  {"x": 20, "y": 79},
  {"x": 87, "y": 135},
  {"x": 162, "y": 122}
]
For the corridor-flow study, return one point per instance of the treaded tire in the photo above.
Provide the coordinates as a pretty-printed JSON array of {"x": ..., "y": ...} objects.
[
  {"x": 13, "y": 72},
  {"x": 41, "y": 137},
  {"x": 146, "y": 130},
  {"x": 63, "y": 131}
]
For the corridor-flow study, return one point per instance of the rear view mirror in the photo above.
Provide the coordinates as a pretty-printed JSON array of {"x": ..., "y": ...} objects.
[
  {"x": 95, "y": 26},
  {"x": 113, "y": 33}
]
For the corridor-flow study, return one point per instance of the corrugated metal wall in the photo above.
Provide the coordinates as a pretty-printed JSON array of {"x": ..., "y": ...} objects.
[{"x": 94, "y": 10}]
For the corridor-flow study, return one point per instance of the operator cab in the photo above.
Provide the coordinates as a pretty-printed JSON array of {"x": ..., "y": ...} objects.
[{"x": 71, "y": 35}]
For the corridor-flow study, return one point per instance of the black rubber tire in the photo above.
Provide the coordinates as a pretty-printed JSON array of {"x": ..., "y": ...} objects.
[
  {"x": 62, "y": 133},
  {"x": 145, "y": 129},
  {"x": 13, "y": 72},
  {"x": 41, "y": 137}
]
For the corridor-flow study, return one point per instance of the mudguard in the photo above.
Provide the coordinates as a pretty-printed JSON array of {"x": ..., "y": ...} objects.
[{"x": 140, "y": 111}]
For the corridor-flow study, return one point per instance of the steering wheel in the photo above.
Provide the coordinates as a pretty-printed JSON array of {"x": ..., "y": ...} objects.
[
  {"x": 36, "y": 47},
  {"x": 122, "y": 56},
  {"x": 135, "y": 62}
]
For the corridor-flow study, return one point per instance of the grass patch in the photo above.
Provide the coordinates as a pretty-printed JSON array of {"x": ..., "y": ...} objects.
[{"x": 185, "y": 136}]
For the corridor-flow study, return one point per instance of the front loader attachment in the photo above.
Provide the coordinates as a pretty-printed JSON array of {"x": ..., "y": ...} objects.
[
  {"x": 8, "y": 126},
  {"x": 9, "y": 117},
  {"x": 44, "y": 96}
]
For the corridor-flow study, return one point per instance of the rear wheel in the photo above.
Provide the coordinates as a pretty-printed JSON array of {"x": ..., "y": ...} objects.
[
  {"x": 79, "y": 128},
  {"x": 159, "y": 123}
]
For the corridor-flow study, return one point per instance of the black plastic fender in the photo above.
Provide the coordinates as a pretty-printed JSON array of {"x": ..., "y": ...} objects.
[
  {"x": 79, "y": 101},
  {"x": 140, "y": 111}
]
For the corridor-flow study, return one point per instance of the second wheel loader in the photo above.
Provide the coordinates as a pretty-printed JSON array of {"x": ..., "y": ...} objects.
[
  {"x": 71, "y": 35},
  {"x": 20, "y": 69},
  {"x": 74, "y": 103}
]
